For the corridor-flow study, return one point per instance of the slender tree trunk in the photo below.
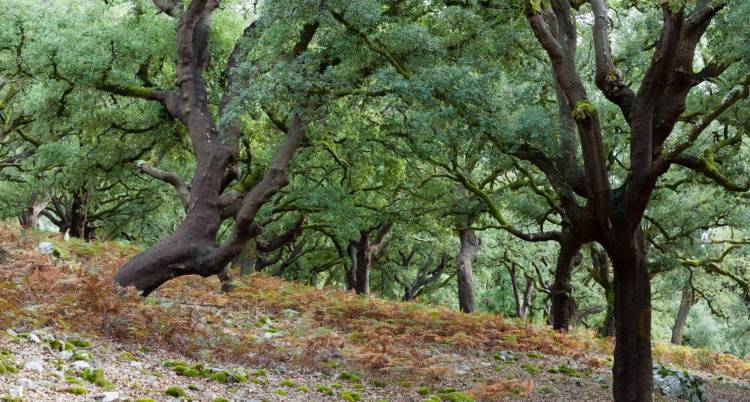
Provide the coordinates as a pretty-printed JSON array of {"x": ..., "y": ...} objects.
[
  {"x": 351, "y": 276},
  {"x": 633, "y": 380},
  {"x": 562, "y": 291},
  {"x": 608, "y": 326},
  {"x": 516, "y": 292},
  {"x": 362, "y": 269},
  {"x": 600, "y": 273},
  {"x": 526, "y": 307},
  {"x": 466, "y": 257},
  {"x": 686, "y": 303}
]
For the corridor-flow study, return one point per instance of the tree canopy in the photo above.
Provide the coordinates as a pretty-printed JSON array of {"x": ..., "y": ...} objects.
[{"x": 571, "y": 163}]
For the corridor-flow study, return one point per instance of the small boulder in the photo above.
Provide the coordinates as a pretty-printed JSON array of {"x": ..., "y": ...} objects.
[
  {"x": 36, "y": 365},
  {"x": 45, "y": 247},
  {"x": 17, "y": 391},
  {"x": 107, "y": 397},
  {"x": 678, "y": 384},
  {"x": 80, "y": 365},
  {"x": 25, "y": 383}
]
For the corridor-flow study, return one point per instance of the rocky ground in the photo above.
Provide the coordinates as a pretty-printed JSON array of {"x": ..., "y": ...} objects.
[
  {"x": 100, "y": 370},
  {"x": 66, "y": 336}
]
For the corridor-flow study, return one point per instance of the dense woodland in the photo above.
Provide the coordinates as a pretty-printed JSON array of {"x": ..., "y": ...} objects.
[{"x": 566, "y": 163}]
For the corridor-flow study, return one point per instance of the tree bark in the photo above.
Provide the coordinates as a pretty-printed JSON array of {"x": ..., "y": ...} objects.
[
  {"x": 600, "y": 273},
  {"x": 632, "y": 295},
  {"x": 563, "y": 306},
  {"x": 30, "y": 218},
  {"x": 361, "y": 253},
  {"x": 686, "y": 303},
  {"x": 467, "y": 254},
  {"x": 193, "y": 248}
]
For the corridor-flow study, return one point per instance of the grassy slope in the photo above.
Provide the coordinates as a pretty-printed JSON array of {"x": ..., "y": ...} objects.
[{"x": 267, "y": 320}]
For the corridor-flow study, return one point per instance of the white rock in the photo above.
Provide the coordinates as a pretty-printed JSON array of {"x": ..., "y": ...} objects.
[
  {"x": 34, "y": 338},
  {"x": 11, "y": 332},
  {"x": 66, "y": 355},
  {"x": 16, "y": 392},
  {"x": 107, "y": 397},
  {"x": 45, "y": 247},
  {"x": 80, "y": 365},
  {"x": 25, "y": 383},
  {"x": 45, "y": 336},
  {"x": 137, "y": 365},
  {"x": 36, "y": 365}
]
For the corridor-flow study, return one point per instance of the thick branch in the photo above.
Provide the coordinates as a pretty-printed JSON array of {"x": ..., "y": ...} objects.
[
  {"x": 183, "y": 191},
  {"x": 608, "y": 78}
]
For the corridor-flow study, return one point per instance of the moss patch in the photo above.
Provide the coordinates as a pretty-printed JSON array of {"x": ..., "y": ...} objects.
[{"x": 174, "y": 391}]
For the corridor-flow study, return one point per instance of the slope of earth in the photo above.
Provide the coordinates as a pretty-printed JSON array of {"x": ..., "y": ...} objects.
[{"x": 67, "y": 336}]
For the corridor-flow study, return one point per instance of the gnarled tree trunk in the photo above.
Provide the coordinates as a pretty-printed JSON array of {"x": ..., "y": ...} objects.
[{"x": 193, "y": 248}]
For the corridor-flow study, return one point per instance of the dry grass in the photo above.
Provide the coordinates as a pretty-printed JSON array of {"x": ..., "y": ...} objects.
[{"x": 189, "y": 316}]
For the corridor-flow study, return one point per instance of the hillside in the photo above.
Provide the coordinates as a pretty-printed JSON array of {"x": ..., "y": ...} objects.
[{"x": 271, "y": 340}]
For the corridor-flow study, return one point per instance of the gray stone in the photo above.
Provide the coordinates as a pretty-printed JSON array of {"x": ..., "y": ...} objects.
[
  {"x": 80, "y": 365},
  {"x": 107, "y": 397},
  {"x": 17, "y": 391},
  {"x": 25, "y": 383},
  {"x": 678, "y": 384},
  {"x": 36, "y": 365},
  {"x": 45, "y": 247}
]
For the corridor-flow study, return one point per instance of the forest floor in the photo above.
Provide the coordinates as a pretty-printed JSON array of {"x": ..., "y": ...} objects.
[{"x": 66, "y": 336}]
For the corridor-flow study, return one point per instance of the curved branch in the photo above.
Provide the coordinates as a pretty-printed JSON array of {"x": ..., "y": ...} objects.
[{"x": 183, "y": 191}]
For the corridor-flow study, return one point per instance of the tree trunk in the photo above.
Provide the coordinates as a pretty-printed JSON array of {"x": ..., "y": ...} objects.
[
  {"x": 633, "y": 380},
  {"x": 351, "y": 271},
  {"x": 245, "y": 260},
  {"x": 600, "y": 273},
  {"x": 30, "y": 218},
  {"x": 362, "y": 268},
  {"x": 79, "y": 214},
  {"x": 193, "y": 248},
  {"x": 562, "y": 291},
  {"x": 466, "y": 257},
  {"x": 686, "y": 303}
]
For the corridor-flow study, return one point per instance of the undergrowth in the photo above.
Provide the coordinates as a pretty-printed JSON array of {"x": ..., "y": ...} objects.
[{"x": 74, "y": 293}]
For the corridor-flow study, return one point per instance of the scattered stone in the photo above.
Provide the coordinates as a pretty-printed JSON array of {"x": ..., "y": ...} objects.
[
  {"x": 25, "y": 383},
  {"x": 11, "y": 333},
  {"x": 17, "y": 391},
  {"x": 678, "y": 384},
  {"x": 504, "y": 355},
  {"x": 107, "y": 397},
  {"x": 80, "y": 365},
  {"x": 36, "y": 365},
  {"x": 34, "y": 338},
  {"x": 45, "y": 247},
  {"x": 66, "y": 355}
]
